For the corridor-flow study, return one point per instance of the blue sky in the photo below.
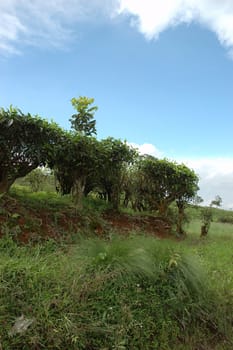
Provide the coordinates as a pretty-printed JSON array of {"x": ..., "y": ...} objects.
[{"x": 161, "y": 73}]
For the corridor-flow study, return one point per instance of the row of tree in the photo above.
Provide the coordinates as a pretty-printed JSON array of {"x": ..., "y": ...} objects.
[{"x": 84, "y": 164}]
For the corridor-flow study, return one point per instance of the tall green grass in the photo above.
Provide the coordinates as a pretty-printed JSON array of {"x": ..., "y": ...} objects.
[
  {"x": 217, "y": 231},
  {"x": 215, "y": 253},
  {"x": 134, "y": 293},
  {"x": 40, "y": 200}
]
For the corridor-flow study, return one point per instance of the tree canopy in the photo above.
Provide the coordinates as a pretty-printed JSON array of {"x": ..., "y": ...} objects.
[
  {"x": 115, "y": 156},
  {"x": 163, "y": 182},
  {"x": 83, "y": 121},
  {"x": 82, "y": 163},
  {"x": 25, "y": 142},
  {"x": 217, "y": 201}
]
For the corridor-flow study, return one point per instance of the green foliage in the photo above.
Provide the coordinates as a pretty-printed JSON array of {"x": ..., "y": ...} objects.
[
  {"x": 48, "y": 183},
  {"x": 50, "y": 201},
  {"x": 36, "y": 179},
  {"x": 226, "y": 219},
  {"x": 74, "y": 160},
  {"x": 82, "y": 164},
  {"x": 186, "y": 189},
  {"x": 160, "y": 182},
  {"x": 137, "y": 293},
  {"x": 217, "y": 202},
  {"x": 207, "y": 218},
  {"x": 83, "y": 121},
  {"x": 155, "y": 184},
  {"x": 135, "y": 189},
  {"x": 94, "y": 204},
  {"x": 187, "y": 184},
  {"x": 114, "y": 158},
  {"x": 25, "y": 142}
]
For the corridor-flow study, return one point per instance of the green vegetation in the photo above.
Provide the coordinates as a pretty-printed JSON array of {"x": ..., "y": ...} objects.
[
  {"x": 103, "y": 249},
  {"x": 83, "y": 164},
  {"x": 83, "y": 122},
  {"x": 25, "y": 143},
  {"x": 134, "y": 293}
]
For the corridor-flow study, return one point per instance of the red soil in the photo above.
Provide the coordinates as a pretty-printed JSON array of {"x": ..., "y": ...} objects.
[{"x": 27, "y": 224}]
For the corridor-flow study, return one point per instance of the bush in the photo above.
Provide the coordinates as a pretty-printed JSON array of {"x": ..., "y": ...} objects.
[
  {"x": 226, "y": 219},
  {"x": 207, "y": 218}
]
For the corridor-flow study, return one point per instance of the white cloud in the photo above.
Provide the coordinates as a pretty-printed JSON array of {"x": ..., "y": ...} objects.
[
  {"x": 147, "y": 148},
  {"x": 153, "y": 16},
  {"x": 46, "y": 23},
  {"x": 216, "y": 178},
  {"x": 50, "y": 23}
]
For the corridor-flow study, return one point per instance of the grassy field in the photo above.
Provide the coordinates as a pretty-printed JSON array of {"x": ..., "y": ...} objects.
[
  {"x": 215, "y": 252},
  {"x": 134, "y": 292}
]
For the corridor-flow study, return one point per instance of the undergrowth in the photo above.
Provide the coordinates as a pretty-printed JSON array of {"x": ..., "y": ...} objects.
[{"x": 135, "y": 293}]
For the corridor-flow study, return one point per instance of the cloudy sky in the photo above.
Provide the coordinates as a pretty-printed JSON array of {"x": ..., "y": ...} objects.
[{"x": 161, "y": 72}]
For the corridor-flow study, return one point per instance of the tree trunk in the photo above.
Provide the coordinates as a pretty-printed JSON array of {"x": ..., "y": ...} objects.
[
  {"x": 115, "y": 201},
  {"x": 204, "y": 229},
  {"x": 163, "y": 208},
  {"x": 78, "y": 191},
  {"x": 180, "y": 219},
  {"x": 5, "y": 185},
  {"x": 115, "y": 197}
]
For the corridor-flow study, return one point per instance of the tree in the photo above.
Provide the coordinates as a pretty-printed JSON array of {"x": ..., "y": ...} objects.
[
  {"x": 25, "y": 142},
  {"x": 158, "y": 183},
  {"x": 164, "y": 182},
  {"x": 135, "y": 187},
  {"x": 75, "y": 158},
  {"x": 207, "y": 218},
  {"x": 217, "y": 201},
  {"x": 115, "y": 156},
  {"x": 83, "y": 121},
  {"x": 186, "y": 189}
]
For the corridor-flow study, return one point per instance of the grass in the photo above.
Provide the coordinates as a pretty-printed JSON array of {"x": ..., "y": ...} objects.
[
  {"x": 40, "y": 200},
  {"x": 132, "y": 293},
  {"x": 219, "y": 215},
  {"x": 119, "y": 293},
  {"x": 54, "y": 202},
  {"x": 215, "y": 251},
  {"x": 218, "y": 231}
]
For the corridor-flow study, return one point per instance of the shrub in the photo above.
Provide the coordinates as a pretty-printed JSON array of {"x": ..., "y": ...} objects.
[{"x": 226, "y": 219}]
